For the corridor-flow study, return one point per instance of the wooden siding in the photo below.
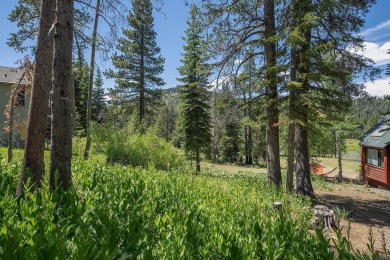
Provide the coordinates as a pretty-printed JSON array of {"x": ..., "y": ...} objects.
[{"x": 375, "y": 173}]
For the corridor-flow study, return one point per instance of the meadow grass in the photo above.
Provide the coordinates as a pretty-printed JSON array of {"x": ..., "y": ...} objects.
[
  {"x": 123, "y": 212},
  {"x": 352, "y": 145}
]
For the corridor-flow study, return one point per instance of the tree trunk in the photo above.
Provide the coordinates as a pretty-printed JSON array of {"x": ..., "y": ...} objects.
[
  {"x": 215, "y": 148},
  {"x": 11, "y": 123},
  {"x": 291, "y": 126},
  {"x": 61, "y": 137},
  {"x": 303, "y": 182},
  {"x": 340, "y": 166},
  {"x": 290, "y": 158},
  {"x": 36, "y": 127},
  {"x": 245, "y": 130},
  {"x": 250, "y": 139},
  {"x": 90, "y": 85},
  {"x": 197, "y": 160},
  {"x": 272, "y": 131}
]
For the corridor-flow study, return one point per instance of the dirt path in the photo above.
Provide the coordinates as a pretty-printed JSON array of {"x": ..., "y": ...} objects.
[{"x": 367, "y": 207}]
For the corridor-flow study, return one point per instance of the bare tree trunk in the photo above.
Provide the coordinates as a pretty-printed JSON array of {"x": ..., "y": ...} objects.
[
  {"x": 291, "y": 126},
  {"x": 340, "y": 166},
  {"x": 250, "y": 139},
  {"x": 90, "y": 85},
  {"x": 272, "y": 131},
  {"x": 62, "y": 118},
  {"x": 11, "y": 122},
  {"x": 215, "y": 148},
  {"x": 36, "y": 127},
  {"x": 290, "y": 158},
  {"x": 303, "y": 182},
  {"x": 245, "y": 130}
]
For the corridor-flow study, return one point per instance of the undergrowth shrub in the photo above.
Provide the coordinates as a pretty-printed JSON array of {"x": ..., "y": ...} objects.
[
  {"x": 124, "y": 147},
  {"x": 118, "y": 212}
]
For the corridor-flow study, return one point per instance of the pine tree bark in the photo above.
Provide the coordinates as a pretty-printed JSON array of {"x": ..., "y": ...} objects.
[
  {"x": 339, "y": 163},
  {"x": 250, "y": 139},
  {"x": 90, "y": 85},
  {"x": 291, "y": 126},
  {"x": 303, "y": 181},
  {"x": 214, "y": 118},
  {"x": 272, "y": 131},
  {"x": 245, "y": 130},
  {"x": 62, "y": 118},
  {"x": 33, "y": 161}
]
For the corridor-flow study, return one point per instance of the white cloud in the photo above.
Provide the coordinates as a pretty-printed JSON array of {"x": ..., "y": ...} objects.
[
  {"x": 379, "y": 88},
  {"x": 370, "y": 31},
  {"x": 237, "y": 62},
  {"x": 377, "y": 52}
]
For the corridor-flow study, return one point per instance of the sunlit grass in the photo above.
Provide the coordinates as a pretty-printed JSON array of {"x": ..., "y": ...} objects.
[
  {"x": 348, "y": 164},
  {"x": 353, "y": 145},
  {"x": 232, "y": 168}
]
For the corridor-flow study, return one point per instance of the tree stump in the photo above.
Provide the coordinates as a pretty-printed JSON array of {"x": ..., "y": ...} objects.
[{"x": 324, "y": 217}]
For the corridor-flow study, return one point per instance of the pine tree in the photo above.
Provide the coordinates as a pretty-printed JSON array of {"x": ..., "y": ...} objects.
[
  {"x": 324, "y": 68},
  {"x": 80, "y": 81},
  {"x": 98, "y": 100},
  {"x": 228, "y": 123},
  {"x": 35, "y": 143},
  {"x": 194, "y": 92},
  {"x": 62, "y": 117},
  {"x": 167, "y": 116},
  {"x": 139, "y": 62}
]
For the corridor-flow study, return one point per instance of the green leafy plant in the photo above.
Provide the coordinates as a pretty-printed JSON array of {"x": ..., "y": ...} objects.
[{"x": 124, "y": 212}]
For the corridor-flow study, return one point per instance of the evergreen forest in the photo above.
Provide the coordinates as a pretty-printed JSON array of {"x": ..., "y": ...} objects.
[{"x": 222, "y": 165}]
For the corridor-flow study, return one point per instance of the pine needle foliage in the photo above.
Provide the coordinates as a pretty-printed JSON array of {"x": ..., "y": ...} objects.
[
  {"x": 194, "y": 92},
  {"x": 138, "y": 61}
]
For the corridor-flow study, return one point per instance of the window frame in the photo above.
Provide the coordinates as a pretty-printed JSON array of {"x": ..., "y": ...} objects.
[{"x": 375, "y": 157}]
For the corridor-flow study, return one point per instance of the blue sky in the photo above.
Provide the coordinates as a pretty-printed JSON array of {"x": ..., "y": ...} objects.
[{"x": 170, "y": 26}]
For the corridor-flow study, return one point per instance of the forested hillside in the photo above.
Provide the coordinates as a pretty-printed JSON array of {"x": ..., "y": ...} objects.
[{"x": 367, "y": 111}]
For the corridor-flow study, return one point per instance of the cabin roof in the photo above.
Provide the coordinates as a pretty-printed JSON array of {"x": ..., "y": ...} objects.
[
  {"x": 378, "y": 135},
  {"x": 10, "y": 75}
]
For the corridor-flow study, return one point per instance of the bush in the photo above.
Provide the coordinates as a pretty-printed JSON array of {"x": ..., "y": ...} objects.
[{"x": 138, "y": 149}]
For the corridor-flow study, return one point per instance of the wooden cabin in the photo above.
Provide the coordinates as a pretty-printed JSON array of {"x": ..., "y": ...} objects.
[{"x": 375, "y": 163}]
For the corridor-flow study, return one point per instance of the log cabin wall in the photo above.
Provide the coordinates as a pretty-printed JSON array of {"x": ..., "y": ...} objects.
[{"x": 375, "y": 175}]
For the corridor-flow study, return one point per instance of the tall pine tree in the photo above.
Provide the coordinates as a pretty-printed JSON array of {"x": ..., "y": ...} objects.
[
  {"x": 323, "y": 37},
  {"x": 139, "y": 62},
  {"x": 194, "y": 92},
  {"x": 98, "y": 100}
]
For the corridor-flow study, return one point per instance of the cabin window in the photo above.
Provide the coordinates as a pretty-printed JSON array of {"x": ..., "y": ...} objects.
[
  {"x": 20, "y": 99},
  {"x": 375, "y": 157}
]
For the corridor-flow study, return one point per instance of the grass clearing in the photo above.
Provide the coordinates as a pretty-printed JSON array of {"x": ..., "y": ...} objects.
[
  {"x": 123, "y": 212},
  {"x": 349, "y": 164},
  {"x": 232, "y": 168},
  {"x": 352, "y": 145}
]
